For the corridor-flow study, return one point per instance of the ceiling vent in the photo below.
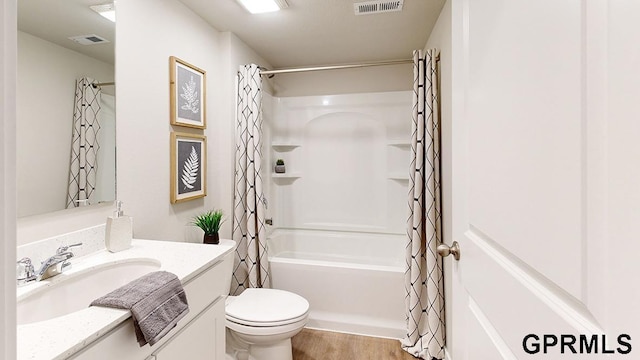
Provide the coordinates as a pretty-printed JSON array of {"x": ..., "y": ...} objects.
[
  {"x": 89, "y": 39},
  {"x": 377, "y": 7}
]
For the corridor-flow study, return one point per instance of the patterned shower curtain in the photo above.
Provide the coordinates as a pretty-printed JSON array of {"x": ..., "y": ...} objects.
[
  {"x": 84, "y": 143},
  {"x": 251, "y": 267},
  {"x": 423, "y": 277}
]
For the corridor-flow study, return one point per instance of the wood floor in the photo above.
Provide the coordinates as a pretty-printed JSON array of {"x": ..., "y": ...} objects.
[{"x": 323, "y": 345}]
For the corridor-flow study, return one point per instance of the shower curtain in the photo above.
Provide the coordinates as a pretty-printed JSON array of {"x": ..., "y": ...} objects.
[
  {"x": 251, "y": 267},
  {"x": 106, "y": 175},
  {"x": 423, "y": 277},
  {"x": 84, "y": 143}
]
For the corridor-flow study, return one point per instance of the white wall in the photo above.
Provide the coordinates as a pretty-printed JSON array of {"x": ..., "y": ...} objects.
[
  {"x": 47, "y": 76},
  {"x": 441, "y": 38},
  {"x": 145, "y": 43},
  {"x": 149, "y": 32},
  {"x": 346, "y": 81},
  {"x": 8, "y": 49},
  {"x": 240, "y": 54}
]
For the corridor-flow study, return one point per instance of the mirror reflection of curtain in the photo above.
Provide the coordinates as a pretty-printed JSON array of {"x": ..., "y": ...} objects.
[
  {"x": 106, "y": 176},
  {"x": 84, "y": 143}
]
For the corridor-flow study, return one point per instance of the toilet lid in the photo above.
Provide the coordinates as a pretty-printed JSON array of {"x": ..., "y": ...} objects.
[{"x": 267, "y": 306}]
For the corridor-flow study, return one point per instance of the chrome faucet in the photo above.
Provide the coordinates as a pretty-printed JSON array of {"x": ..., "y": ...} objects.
[
  {"x": 57, "y": 263},
  {"x": 52, "y": 266},
  {"x": 25, "y": 271}
]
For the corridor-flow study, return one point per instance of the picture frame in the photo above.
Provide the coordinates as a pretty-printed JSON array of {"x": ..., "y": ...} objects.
[
  {"x": 187, "y": 87},
  {"x": 188, "y": 167}
]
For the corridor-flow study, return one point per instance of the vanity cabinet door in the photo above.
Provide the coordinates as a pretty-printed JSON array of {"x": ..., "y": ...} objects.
[
  {"x": 202, "y": 339},
  {"x": 120, "y": 343}
]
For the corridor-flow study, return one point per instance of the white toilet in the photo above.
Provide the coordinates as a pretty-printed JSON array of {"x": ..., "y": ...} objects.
[{"x": 261, "y": 322}]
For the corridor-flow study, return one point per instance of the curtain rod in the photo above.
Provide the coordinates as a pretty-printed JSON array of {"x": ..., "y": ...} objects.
[
  {"x": 103, "y": 84},
  {"x": 334, "y": 67}
]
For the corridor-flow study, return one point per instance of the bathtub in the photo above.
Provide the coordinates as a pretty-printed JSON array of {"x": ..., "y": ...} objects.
[{"x": 354, "y": 282}]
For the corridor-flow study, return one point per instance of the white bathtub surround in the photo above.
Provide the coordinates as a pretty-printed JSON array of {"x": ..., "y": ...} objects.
[
  {"x": 340, "y": 211},
  {"x": 105, "y": 333},
  {"x": 251, "y": 264},
  {"x": 353, "y": 281},
  {"x": 424, "y": 281},
  {"x": 347, "y": 158}
]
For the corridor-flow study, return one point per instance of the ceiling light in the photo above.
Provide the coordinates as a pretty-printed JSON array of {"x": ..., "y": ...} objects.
[
  {"x": 263, "y": 6},
  {"x": 106, "y": 10}
]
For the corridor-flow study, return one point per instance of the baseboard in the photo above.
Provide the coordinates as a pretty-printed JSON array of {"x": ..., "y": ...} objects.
[
  {"x": 355, "y": 325},
  {"x": 377, "y": 335}
]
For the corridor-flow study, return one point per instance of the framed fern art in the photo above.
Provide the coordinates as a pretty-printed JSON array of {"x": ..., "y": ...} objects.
[
  {"x": 187, "y": 88},
  {"x": 188, "y": 166}
]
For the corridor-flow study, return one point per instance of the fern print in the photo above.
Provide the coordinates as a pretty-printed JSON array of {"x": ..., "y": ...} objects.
[
  {"x": 190, "y": 96},
  {"x": 190, "y": 169}
]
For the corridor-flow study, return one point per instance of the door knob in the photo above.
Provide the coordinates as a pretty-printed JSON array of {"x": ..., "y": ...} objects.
[{"x": 444, "y": 250}]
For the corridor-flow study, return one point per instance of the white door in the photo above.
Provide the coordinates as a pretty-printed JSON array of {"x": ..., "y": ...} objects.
[{"x": 546, "y": 179}]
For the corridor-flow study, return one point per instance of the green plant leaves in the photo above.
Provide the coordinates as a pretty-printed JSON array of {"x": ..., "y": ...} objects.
[{"x": 209, "y": 221}]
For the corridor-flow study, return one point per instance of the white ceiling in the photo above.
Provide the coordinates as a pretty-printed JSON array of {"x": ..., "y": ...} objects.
[
  {"x": 309, "y": 32},
  {"x": 57, "y": 20},
  {"x": 321, "y": 32}
]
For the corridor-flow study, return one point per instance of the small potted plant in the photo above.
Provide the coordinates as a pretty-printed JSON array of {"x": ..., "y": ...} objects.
[
  {"x": 210, "y": 223},
  {"x": 280, "y": 166}
]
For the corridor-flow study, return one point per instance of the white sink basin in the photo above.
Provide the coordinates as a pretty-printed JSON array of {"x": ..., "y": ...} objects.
[{"x": 75, "y": 290}]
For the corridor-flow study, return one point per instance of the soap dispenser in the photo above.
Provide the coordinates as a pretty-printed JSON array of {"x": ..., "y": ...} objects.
[{"x": 119, "y": 230}]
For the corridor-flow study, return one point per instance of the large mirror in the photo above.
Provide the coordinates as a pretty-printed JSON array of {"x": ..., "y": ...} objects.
[{"x": 65, "y": 130}]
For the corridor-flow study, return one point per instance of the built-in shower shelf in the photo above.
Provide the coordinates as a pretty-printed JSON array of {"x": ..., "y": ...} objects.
[
  {"x": 284, "y": 146},
  {"x": 399, "y": 176},
  {"x": 293, "y": 175},
  {"x": 399, "y": 143}
]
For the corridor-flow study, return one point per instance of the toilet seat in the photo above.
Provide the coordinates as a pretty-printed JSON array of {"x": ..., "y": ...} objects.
[
  {"x": 266, "y": 308},
  {"x": 266, "y": 324}
]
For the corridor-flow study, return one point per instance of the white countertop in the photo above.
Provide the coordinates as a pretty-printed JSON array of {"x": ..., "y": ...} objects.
[{"x": 63, "y": 336}]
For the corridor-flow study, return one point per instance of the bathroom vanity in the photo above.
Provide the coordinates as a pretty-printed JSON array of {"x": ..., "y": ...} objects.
[{"x": 55, "y": 322}]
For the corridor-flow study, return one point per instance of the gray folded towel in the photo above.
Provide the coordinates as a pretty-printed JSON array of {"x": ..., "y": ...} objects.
[{"x": 157, "y": 302}]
